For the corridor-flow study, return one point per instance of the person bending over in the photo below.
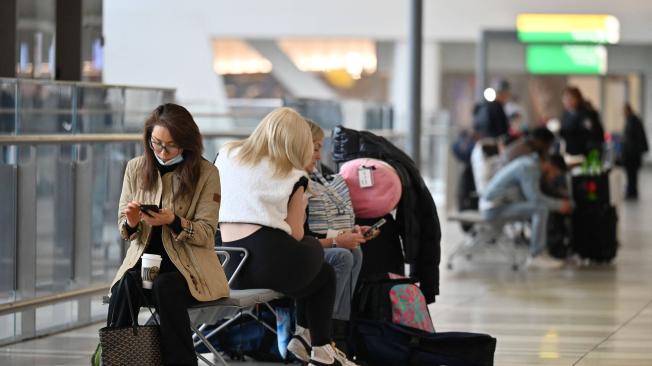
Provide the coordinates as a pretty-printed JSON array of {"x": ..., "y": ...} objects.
[
  {"x": 539, "y": 141},
  {"x": 514, "y": 193}
]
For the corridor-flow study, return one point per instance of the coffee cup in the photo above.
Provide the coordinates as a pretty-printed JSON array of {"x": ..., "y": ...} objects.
[{"x": 149, "y": 268}]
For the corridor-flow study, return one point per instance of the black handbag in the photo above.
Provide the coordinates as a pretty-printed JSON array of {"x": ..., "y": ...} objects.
[{"x": 131, "y": 345}]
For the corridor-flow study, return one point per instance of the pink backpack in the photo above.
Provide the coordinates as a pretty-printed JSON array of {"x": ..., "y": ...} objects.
[
  {"x": 393, "y": 298},
  {"x": 409, "y": 306}
]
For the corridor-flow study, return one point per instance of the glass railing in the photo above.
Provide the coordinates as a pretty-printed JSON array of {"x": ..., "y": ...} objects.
[
  {"x": 60, "y": 188},
  {"x": 59, "y": 199},
  {"x": 30, "y": 106}
]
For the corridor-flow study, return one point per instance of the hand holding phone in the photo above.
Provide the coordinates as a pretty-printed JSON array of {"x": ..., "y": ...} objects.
[
  {"x": 147, "y": 208},
  {"x": 132, "y": 213},
  {"x": 369, "y": 233}
]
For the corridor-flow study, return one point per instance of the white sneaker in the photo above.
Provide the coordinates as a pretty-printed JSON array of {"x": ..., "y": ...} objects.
[
  {"x": 329, "y": 355},
  {"x": 299, "y": 345},
  {"x": 543, "y": 261}
]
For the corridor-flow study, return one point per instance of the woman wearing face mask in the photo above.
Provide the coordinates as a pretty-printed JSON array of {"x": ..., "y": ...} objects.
[{"x": 172, "y": 175}]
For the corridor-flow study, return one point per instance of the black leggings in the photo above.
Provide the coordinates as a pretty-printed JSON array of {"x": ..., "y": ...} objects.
[
  {"x": 171, "y": 297},
  {"x": 294, "y": 268}
]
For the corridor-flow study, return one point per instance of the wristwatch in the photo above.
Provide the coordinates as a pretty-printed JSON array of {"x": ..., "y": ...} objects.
[{"x": 334, "y": 243}]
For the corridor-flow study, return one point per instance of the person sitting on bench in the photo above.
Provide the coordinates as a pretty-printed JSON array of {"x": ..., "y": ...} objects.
[
  {"x": 183, "y": 191},
  {"x": 538, "y": 141},
  {"x": 514, "y": 193},
  {"x": 331, "y": 219},
  {"x": 263, "y": 210}
]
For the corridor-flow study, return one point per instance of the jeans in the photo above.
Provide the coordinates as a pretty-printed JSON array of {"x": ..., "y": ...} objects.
[
  {"x": 537, "y": 213},
  {"x": 347, "y": 264}
]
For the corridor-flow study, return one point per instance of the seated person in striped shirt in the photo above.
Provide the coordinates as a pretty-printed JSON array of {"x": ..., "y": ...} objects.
[{"x": 330, "y": 219}]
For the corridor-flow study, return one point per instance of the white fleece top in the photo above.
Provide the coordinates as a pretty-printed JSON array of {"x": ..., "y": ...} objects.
[{"x": 252, "y": 194}]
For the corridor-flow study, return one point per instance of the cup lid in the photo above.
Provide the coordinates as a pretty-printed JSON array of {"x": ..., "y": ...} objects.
[{"x": 151, "y": 256}]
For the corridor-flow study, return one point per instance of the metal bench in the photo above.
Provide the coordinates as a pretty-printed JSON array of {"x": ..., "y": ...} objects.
[{"x": 481, "y": 233}]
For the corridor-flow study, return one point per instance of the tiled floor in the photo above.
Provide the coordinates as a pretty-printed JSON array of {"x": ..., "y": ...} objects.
[{"x": 597, "y": 315}]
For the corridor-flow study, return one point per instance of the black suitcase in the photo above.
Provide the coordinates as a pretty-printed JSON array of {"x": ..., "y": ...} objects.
[
  {"x": 594, "y": 219},
  {"x": 594, "y": 232},
  {"x": 591, "y": 190},
  {"x": 381, "y": 343}
]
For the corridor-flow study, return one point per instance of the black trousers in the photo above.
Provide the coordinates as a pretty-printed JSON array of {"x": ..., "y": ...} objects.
[
  {"x": 294, "y": 268},
  {"x": 171, "y": 297},
  {"x": 632, "y": 180}
]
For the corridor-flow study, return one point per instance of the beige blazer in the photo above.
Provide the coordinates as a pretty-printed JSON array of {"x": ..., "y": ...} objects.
[{"x": 193, "y": 254}]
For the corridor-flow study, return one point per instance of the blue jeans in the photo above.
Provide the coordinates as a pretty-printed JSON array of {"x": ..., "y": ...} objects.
[
  {"x": 537, "y": 213},
  {"x": 347, "y": 264}
]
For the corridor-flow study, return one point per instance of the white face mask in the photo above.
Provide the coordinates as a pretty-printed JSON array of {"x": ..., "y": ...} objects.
[{"x": 174, "y": 160}]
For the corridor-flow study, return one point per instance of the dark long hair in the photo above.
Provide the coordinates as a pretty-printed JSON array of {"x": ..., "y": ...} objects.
[
  {"x": 575, "y": 92},
  {"x": 185, "y": 133}
]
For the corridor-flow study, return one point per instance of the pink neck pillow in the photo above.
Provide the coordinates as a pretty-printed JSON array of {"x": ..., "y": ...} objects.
[{"x": 378, "y": 199}]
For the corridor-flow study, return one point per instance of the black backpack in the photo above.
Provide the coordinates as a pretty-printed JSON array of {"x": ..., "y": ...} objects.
[{"x": 248, "y": 337}]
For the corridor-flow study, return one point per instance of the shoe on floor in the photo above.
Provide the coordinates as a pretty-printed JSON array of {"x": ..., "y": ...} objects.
[
  {"x": 543, "y": 261},
  {"x": 299, "y": 345},
  {"x": 329, "y": 356}
]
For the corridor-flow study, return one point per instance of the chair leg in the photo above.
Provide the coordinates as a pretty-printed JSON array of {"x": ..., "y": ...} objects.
[
  {"x": 210, "y": 347},
  {"x": 201, "y": 328},
  {"x": 251, "y": 314},
  {"x": 508, "y": 247},
  {"x": 216, "y": 330},
  {"x": 464, "y": 246},
  {"x": 271, "y": 308}
]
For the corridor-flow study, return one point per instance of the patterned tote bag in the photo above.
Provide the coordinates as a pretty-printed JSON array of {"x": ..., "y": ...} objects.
[{"x": 131, "y": 345}]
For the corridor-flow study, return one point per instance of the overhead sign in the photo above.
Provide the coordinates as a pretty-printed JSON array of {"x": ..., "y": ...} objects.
[
  {"x": 568, "y": 28},
  {"x": 553, "y": 59}
]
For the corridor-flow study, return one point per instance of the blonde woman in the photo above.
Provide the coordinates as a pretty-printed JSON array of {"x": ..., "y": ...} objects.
[{"x": 263, "y": 210}]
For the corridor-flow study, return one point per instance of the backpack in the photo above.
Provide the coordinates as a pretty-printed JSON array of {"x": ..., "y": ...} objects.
[
  {"x": 559, "y": 235},
  {"x": 385, "y": 344},
  {"x": 248, "y": 337},
  {"x": 393, "y": 298}
]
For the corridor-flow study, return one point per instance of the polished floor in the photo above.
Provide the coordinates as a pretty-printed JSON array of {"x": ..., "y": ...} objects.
[{"x": 579, "y": 315}]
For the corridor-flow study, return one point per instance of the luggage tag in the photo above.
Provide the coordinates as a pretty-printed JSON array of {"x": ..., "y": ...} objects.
[{"x": 365, "y": 176}]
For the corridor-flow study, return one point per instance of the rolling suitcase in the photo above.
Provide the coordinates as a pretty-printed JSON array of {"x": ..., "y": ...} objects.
[
  {"x": 594, "y": 219},
  {"x": 594, "y": 233}
]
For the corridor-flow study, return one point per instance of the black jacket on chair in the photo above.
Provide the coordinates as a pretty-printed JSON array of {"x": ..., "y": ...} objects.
[{"x": 416, "y": 215}]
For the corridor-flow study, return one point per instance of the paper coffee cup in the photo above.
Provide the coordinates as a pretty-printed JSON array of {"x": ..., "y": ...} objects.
[{"x": 149, "y": 268}]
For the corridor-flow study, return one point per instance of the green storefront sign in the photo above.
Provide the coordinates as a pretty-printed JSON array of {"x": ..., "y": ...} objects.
[{"x": 566, "y": 59}]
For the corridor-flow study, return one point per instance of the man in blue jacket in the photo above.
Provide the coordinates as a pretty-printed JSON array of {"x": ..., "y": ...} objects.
[{"x": 514, "y": 194}]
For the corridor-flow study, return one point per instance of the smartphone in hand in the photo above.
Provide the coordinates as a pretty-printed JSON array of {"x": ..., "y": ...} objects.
[
  {"x": 374, "y": 227},
  {"x": 149, "y": 208}
]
